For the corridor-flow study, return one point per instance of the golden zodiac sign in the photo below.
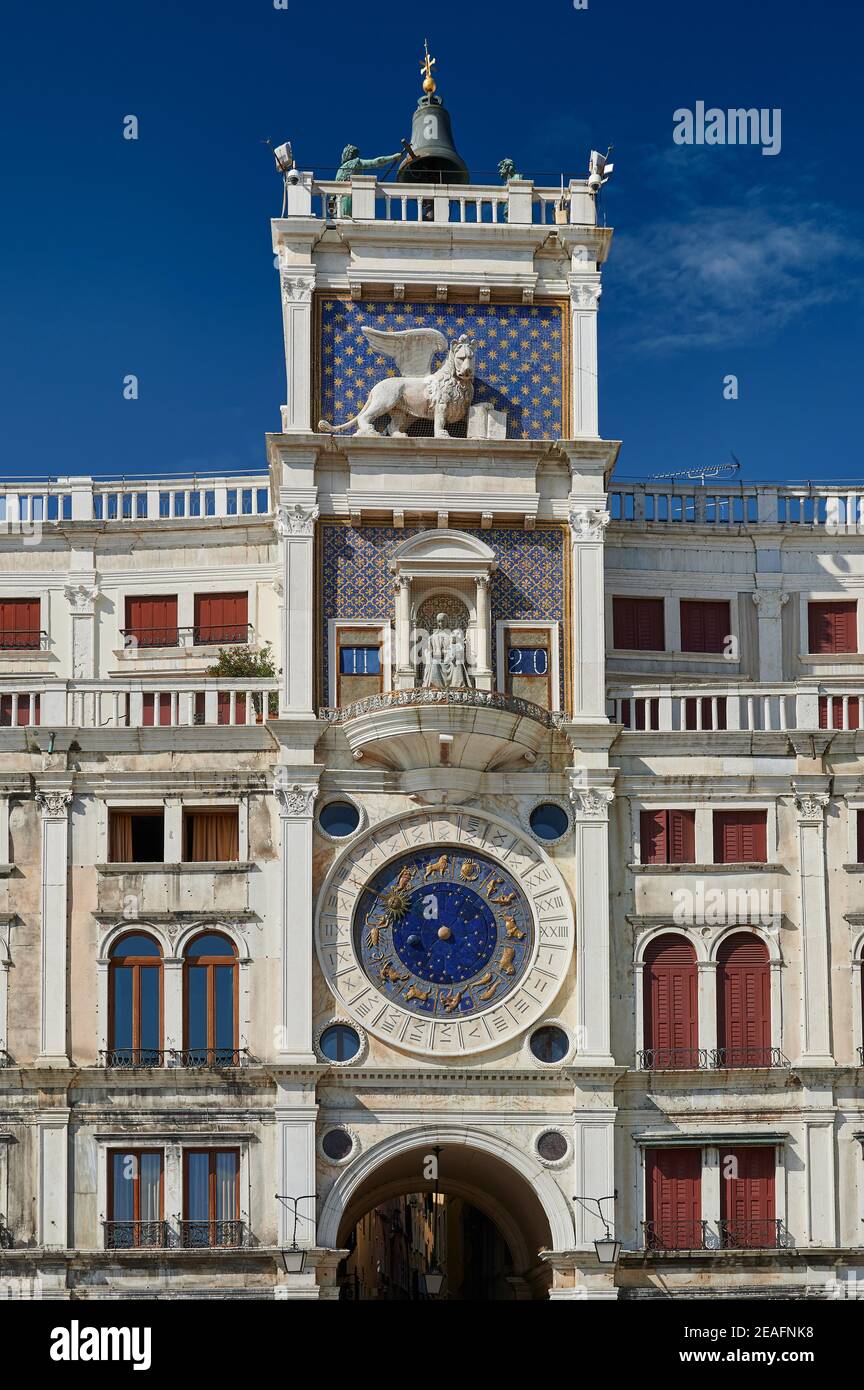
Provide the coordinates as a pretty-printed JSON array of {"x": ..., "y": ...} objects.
[
  {"x": 487, "y": 993},
  {"x": 504, "y": 899},
  {"x": 414, "y": 993},
  {"x": 485, "y": 980},
  {"x": 506, "y": 961},
  {"x": 451, "y": 1001},
  {"x": 469, "y": 871},
  {"x": 438, "y": 866},
  {"x": 389, "y": 972},
  {"x": 492, "y": 885},
  {"x": 372, "y": 938},
  {"x": 512, "y": 930},
  {"x": 403, "y": 882}
]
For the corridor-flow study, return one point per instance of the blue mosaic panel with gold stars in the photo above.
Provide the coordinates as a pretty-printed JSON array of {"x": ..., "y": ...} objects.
[
  {"x": 444, "y": 933},
  {"x": 357, "y": 584},
  {"x": 519, "y": 364}
]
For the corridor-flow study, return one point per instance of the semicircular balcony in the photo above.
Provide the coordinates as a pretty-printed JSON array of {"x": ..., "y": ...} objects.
[{"x": 465, "y": 728}]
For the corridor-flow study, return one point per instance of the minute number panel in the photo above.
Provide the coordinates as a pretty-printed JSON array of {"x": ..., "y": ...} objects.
[{"x": 444, "y": 932}]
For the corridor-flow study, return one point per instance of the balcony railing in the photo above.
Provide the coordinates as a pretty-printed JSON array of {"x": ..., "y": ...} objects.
[
  {"x": 834, "y": 508},
  {"x": 750, "y": 1235},
  {"x": 744, "y": 1057},
  {"x": 23, "y": 639},
  {"x": 216, "y": 634},
  {"x": 672, "y": 1058},
  {"x": 175, "y": 704},
  {"x": 478, "y": 699},
  {"x": 366, "y": 199},
  {"x": 209, "y": 1057},
  {"x": 132, "y": 1058},
  {"x": 658, "y": 707},
  {"x": 27, "y": 506},
  {"x": 135, "y": 1235},
  {"x": 708, "y": 1058},
  {"x": 674, "y": 1235},
  {"x": 212, "y": 1235}
]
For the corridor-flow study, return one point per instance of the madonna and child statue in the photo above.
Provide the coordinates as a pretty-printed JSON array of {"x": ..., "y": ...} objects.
[{"x": 444, "y": 660}]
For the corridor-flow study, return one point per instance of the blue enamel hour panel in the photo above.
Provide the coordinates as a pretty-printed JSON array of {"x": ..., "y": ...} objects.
[
  {"x": 519, "y": 367},
  {"x": 443, "y": 932}
]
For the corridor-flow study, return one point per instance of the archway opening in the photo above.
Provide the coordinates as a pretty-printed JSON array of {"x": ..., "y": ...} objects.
[{"x": 476, "y": 1221}]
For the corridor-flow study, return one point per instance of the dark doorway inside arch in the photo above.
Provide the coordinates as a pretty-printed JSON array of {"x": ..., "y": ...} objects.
[{"x": 395, "y": 1244}]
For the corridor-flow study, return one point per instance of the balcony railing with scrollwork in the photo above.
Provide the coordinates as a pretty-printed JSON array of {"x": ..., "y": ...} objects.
[
  {"x": 751, "y": 1235},
  {"x": 475, "y": 699},
  {"x": 753, "y": 1057},
  {"x": 209, "y": 1056},
  {"x": 136, "y": 1235},
  {"x": 132, "y": 1058},
  {"x": 212, "y": 1235},
  {"x": 674, "y": 1235},
  {"x": 672, "y": 1058}
]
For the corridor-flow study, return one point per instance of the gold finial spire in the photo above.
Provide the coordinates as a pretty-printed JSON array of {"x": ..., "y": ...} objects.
[{"x": 426, "y": 67}]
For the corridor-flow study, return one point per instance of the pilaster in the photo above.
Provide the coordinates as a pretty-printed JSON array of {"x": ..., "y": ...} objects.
[
  {"x": 587, "y": 526},
  {"x": 295, "y": 793},
  {"x": 816, "y": 1004},
  {"x": 591, "y": 871},
  {"x": 54, "y": 802}
]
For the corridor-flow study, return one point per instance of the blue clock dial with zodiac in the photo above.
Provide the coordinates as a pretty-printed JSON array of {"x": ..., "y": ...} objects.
[{"x": 444, "y": 932}]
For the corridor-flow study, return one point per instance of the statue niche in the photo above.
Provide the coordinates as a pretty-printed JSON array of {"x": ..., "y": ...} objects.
[{"x": 444, "y": 657}]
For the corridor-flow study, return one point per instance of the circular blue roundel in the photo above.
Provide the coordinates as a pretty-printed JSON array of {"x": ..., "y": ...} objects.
[
  {"x": 444, "y": 932},
  {"x": 339, "y": 1042},
  {"x": 549, "y": 821},
  {"x": 339, "y": 818}
]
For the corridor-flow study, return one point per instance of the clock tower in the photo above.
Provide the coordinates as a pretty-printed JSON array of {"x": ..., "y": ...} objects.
[{"x": 443, "y": 777}]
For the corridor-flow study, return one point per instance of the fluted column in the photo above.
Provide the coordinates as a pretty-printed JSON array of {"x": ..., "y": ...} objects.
[
  {"x": 54, "y": 805},
  {"x": 296, "y": 799},
  {"x": 815, "y": 964},
  {"x": 593, "y": 1011}
]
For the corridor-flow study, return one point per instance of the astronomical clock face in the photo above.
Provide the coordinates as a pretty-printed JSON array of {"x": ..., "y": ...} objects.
[{"x": 444, "y": 932}]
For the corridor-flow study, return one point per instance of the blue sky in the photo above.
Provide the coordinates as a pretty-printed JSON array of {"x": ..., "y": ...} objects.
[{"x": 153, "y": 256}]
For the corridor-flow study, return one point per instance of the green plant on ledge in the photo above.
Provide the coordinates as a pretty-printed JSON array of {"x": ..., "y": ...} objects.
[{"x": 252, "y": 663}]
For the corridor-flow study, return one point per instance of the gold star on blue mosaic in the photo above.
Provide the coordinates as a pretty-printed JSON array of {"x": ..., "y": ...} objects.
[{"x": 512, "y": 340}]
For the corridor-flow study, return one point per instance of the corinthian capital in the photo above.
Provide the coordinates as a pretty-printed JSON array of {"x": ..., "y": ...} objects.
[
  {"x": 295, "y": 799},
  {"x": 53, "y": 803},
  {"x": 810, "y": 805},
  {"x": 296, "y": 289},
  {"x": 592, "y": 803},
  {"x": 588, "y": 523},
  {"x": 770, "y": 602},
  {"x": 296, "y": 520}
]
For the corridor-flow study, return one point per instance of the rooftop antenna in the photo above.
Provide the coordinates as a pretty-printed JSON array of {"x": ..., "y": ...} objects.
[
  {"x": 599, "y": 171},
  {"x": 700, "y": 472},
  {"x": 284, "y": 157}
]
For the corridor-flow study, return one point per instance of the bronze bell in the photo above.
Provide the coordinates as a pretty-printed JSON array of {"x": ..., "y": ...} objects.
[{"x": 436, "y": 159}]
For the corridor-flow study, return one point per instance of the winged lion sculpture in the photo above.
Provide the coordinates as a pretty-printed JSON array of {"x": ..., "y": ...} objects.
[{"x": 419, "y": 393}]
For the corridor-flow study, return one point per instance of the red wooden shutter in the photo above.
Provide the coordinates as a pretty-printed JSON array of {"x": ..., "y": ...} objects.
[
  {"x": 653, "y": 839},
  {"x": 744, "y": 1001},
  {"x": 674, "y": 1198},
  {"x": 740, "y": 837},
  {"x": 637, "y": 624},
  {"x": 705, "y": 625},
  {"x": 19, "y": 623},
  {"x": 221, "y": 617},
  {"x": 152, "y": 620},
  {"x": 747, "y": 1201},
  {"x": 682, "y": 837},
  {"x": 833, "y": 627},
  {"x": 671, "y": 1016}
]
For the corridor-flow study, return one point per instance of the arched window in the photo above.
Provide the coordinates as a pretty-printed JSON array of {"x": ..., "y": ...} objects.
[
  {"x": 210, "y": 1001},
  {"x": 671, "y": 1010},
  {"x": 743, "y": 1002},
  {"x": 135, "y": 1002}
]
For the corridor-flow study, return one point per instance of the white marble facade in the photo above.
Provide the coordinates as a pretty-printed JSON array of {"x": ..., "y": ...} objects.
[{"x": 133, "y": 727}]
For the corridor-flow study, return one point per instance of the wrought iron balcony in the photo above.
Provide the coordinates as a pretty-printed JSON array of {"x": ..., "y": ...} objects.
[
  {"x": 23, "y": 640},
  {"x": 135, "y": 1235},
  {"x": 748, "y": 1057},
  {"x": 132, "y": 1058},
  {"x": 214, "y": 1057},
  {"x": 212, "y": 1235},
  {"x": 672, "y": 1058},
  {"x": 674, "y": 1235},
  {"x": 750, "y": 1235},
  {"x": 214, "y": 635},
  {"x": 420, "y": 695}
]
